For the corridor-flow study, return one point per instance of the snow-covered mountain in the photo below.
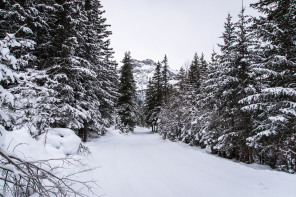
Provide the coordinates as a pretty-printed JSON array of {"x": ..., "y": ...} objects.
[{"x": 143, "y": 71}]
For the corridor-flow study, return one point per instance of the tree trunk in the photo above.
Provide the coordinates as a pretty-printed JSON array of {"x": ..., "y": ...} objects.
[{"x": 85, "y": 132}]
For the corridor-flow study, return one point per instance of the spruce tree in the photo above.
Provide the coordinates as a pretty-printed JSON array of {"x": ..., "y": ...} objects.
[
  {"x": 127, "y": 96},
  {"x": 274, "y": 104},
  {"x": 165, "y": 78},
  {"x": 154, "y": 98},
  {"x": 234, "y": 86},
  {"x": 203, "y": 67},
  {"x": 70, "y": 74},
  {"x": 96, "y": 49},
  {"x": 16, "y": 62},
  {"x": 194, "y": 73},
  {"x": 181, "y": 77}
]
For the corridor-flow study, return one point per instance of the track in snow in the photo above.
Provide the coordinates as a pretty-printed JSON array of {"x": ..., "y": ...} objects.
[{"x": 144, "y": 165}]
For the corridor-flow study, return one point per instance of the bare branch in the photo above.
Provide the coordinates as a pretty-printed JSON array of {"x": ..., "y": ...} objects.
[{"x": 29, "y": 177}]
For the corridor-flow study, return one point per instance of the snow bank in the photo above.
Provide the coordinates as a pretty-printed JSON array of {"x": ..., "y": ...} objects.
[
  {"x": 63, "y": 139},
  {"x": 56, "y": 143}
]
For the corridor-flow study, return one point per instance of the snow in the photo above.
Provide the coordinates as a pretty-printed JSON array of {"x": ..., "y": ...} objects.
[
  {"x": 281, "y": 91},
  {"x": 143, "y": 164},
  {"x": 277, "y": 118},
  {"x": 59, "y": 143},
  {"x": 173, "y": 82},
  {"x": 63, "y": 139}
]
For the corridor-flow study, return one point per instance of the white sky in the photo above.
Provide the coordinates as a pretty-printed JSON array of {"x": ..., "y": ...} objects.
[{"x": 149, "y": 29}]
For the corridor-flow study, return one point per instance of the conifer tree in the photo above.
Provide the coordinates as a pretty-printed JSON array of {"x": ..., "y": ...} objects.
[
  {"x": 203, "y": 67},
  {"x": 127, "y": 96},
  {"x": 96, "y": 49},
  {"x": 165, "y": 78},
  {"x": 234, "y": 86},
  {"x": 274, "y": 104},
  {"x": 181, "y": 77},
  {"x": 154, "y": 98},
  {"x": 208, "y": 103},
  {"x": 16, "y": 60},
  {"x": 76, "y": 104},
  {"x": 226, "y": 60},
  {"x": 71, "y": 72},
  {"x": 194, "y": 73}
]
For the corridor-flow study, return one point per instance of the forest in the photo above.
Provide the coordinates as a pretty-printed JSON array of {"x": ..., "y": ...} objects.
[{"x": 57, "y": 70}]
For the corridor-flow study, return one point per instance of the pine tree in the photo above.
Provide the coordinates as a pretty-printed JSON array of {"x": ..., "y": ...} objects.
[
  {"x": 73, "y": 49},
  {"x": 74, "y": 76},
  {"x": 96, "y": 49},
  {"x": 274, "y": 104},
  {"x": 203, "y": 67},
  {"x": 181, "y": 77},
  {"x": 165, "y": 78},
  {"x": 209, "y": 112},
  {"x": 127, "y": 98},
  {"x": 234, "y": 86},
  {"x": 154, "y": 98},
  {"x": 224, "y": 106},
  {"x": 16, "y": 59},
  {"x": 9, "y": 75},
  {"x": 194, "y": 73}
]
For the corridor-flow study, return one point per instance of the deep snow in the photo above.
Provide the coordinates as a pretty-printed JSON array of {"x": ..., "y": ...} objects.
[{"x": 144, "y": 165}]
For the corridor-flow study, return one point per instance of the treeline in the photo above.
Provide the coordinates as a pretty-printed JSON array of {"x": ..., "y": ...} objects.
[
  {"x": 241, "y": 104},
  {"x": 56, "y": 66}
]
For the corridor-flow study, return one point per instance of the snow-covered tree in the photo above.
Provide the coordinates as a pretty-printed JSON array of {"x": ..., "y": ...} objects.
[
  {"x": 165, "y": 78},
  {"x": 274, "y": 104},
  {"x": 194, "y": 73},
  {"x": 127, "y": 96},
  {"x": 154, "y": 98},
  {"x": 234, "y": 85},
  {"x": 16, "y": 56}
]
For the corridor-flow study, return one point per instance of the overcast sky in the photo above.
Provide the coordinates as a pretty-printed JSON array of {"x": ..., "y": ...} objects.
[{"x": 149, "y": 29}]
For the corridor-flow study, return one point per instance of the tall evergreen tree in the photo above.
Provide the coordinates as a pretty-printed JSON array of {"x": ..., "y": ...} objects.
[
  {"x": 154, "y": 98},
  {"x": 71, "y": 72},
  {"x": 203, "y": 67},
  {"x": 127, "y": 98},
  {"x": 194, "y": 73},
  {"x": 274, "y": 104},
  {"x": 181, "y": 77},
  {"x": 17, "y": 68},
  {"x": 96, "y": 49},
  {"x": 165, "y": 78},
  {"x": 224, "y": 95},
  {"x": 234, "y": 86}
]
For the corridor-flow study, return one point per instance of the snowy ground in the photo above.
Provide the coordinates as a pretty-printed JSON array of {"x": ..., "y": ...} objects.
[{"x": 144, "y": 165}]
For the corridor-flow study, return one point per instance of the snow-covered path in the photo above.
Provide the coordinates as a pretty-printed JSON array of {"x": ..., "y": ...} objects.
[{"x": 144, "y": 165}]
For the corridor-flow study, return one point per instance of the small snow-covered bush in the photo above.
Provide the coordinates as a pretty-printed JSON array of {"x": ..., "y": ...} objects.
[
  {"x": 28, "y": 168},
  {"x": 63, "y": 139}
]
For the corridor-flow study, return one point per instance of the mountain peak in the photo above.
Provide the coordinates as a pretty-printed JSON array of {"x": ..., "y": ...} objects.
[{"x": 143, "y": 71}]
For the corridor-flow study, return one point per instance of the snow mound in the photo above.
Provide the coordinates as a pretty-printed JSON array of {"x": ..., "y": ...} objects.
[{"x": 63, "y": 139}]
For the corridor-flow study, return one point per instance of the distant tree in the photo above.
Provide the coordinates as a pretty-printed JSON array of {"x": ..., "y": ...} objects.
[
  {"x": 194, "y": 73},
  {"x": 181, "y": 77},
  {"x": 203, "y": 67},
  {"x": 127, "y": 96},
  {"x": 154, "y": 98},
  {"x": 165, "y": 78}
]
